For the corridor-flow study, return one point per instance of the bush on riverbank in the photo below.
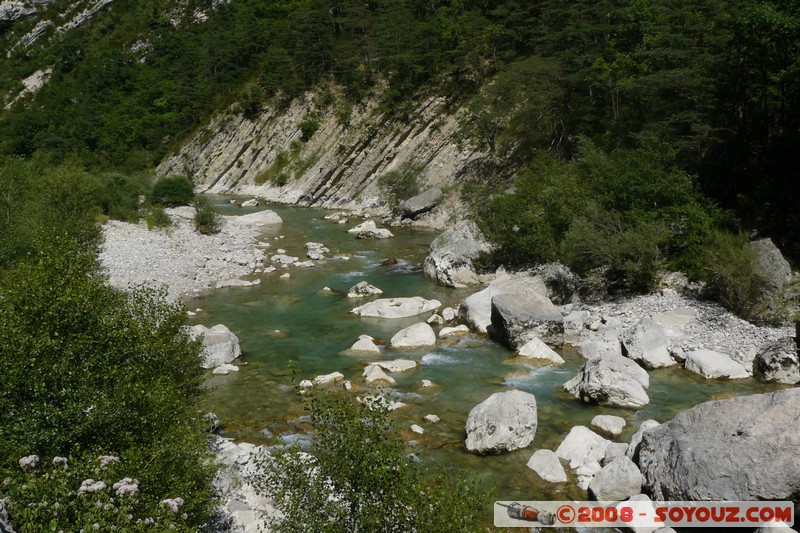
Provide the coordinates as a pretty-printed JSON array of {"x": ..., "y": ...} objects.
[
  {"x": 622, "y": 216},
  {"x": 172, "y": 191},
  {"x": 357, "y": 477},
  {"x": 88, "y": 371}
]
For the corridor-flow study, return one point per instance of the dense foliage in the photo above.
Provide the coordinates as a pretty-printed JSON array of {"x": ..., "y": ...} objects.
[
  {"x": 357, "y": 478},
  {"x": 172, "y": 191},
  {"x": 716, "y": 82},
  {"x": 623, "y": 216},
  {"x": 89, "y": 372}
]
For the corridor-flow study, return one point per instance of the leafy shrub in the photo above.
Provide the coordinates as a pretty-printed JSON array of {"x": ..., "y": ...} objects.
[
  {"x": 89, "y": 370},
  {"x": 622, "y": 215},
  {"x": 39, "y": 206},
  {"x": 628, "y": 256},
  {"x": 402, "y": 183},
  {"x": 357, "y": 478},
  {"x": 172, "y": 191},
  {"x": 118, "y": 195},
  {"x": 276, "y": 172},
  {"x": 206, "y": 220},
  {"x": 157, "y": 218},
  {"x": 733, "y": 276},
  {"x": 92, "y": 492},
  {"x": 308, "y": 127}
]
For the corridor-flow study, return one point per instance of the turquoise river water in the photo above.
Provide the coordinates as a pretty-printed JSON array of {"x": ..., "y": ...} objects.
[{"x": 314, "y": 329}]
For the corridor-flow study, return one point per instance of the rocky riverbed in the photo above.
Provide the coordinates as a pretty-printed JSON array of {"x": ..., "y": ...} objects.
[{"x": 623, "y": 342}]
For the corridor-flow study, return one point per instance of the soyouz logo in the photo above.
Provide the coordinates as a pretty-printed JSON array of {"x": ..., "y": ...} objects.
[{"x": 643, "y": 514}]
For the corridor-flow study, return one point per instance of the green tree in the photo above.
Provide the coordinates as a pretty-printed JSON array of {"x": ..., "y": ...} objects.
[{"x": 358, "y": 478}]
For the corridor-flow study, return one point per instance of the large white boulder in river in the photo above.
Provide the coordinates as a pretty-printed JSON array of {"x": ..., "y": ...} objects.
[
  {"x": 739, "y": 449},
  {"x": 365, "y": 344},
  {"x": 536, "y": 349},
  {"x": 611, "y": 380},
  {"x": 449, "y": 260},
  {"x": 584, "y": 449},
  {"x": 505, "y": 421},
  {"x": 396, "y": 307},
  {"x": 476, "y": 309},
  {"x": 416, "y": 336},
  {"x": 711, "y": 365},
  {"x": 519, "y": 318},
  {"x": 546, "y": 464},
  {"x": 220, "y": 345}
]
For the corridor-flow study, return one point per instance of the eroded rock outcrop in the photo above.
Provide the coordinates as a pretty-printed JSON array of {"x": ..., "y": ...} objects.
[{"x": 743, "y": 448}]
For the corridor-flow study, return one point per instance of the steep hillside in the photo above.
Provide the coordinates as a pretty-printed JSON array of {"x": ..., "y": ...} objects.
[{"x": 338, "y": 165}]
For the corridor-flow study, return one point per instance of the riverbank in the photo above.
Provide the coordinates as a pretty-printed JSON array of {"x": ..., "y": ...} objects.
[
  {"x": 181, "y": 259},
  {"x": 283, "y": 319}
]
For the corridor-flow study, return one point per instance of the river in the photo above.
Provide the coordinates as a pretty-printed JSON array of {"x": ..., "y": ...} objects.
[{"x": 282, "y": 321}]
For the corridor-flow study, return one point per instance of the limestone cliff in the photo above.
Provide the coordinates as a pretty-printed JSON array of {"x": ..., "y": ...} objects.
[{"x": 338, "y": 166}]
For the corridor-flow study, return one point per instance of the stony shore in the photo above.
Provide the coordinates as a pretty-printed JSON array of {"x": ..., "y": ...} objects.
[
  {"x": 622, "y": 341},
  {"x": 178, "y": 257}
]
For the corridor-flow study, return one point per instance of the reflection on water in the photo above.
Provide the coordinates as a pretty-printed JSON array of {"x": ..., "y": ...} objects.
[{"x": 281, "y": 321}]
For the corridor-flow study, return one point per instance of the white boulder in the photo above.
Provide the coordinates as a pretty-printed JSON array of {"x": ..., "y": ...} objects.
[
  {"x": 396, "y": 307},
  {"x": 220, "y": 345},
  {"x": 504, "y": 422},
  {"x": 416, "y": 336}
]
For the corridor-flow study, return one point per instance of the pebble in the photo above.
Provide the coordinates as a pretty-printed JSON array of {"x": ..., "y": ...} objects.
[{"x": 417, "y": 429}]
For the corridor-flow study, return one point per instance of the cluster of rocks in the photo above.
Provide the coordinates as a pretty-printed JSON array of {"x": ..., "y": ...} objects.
[
  {"x": 241, "y": 509},
  {"x": 182, "y": 259}
]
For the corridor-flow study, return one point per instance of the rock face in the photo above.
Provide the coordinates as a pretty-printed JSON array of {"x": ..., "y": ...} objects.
[
  {"x": 416, "y": 336},
  {"x": 503, "y": 422},
  {"x": 220, "y": 345},
  {"x": 711, "y": 364},
  {"x": 517, "y": 319},
  {"x": 363, "y": 289},
  {"x": 647, "y": 343},
  {"x": 774, "y": 266},
  {"x": 612, "y": 381},
  {"x": 743, "y": 448},
  {"x": 338, "y": 180},
  {"x": 618, "y": 480},
  {"x": 397, "y": 307},
  {"x": 536, "y": 349},
  {"x": 546, "y": 464},
  {"x": 778, "y": 363},
  {"x": 421, "y": 203},
  {"x": 449, "y": 260},
  {"x": 11, "y": 10}
]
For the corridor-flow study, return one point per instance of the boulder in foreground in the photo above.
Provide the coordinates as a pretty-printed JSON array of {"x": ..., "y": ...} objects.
[
  {"x": 743, "y": 448},
  {"x": 504, "y": 422}
]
